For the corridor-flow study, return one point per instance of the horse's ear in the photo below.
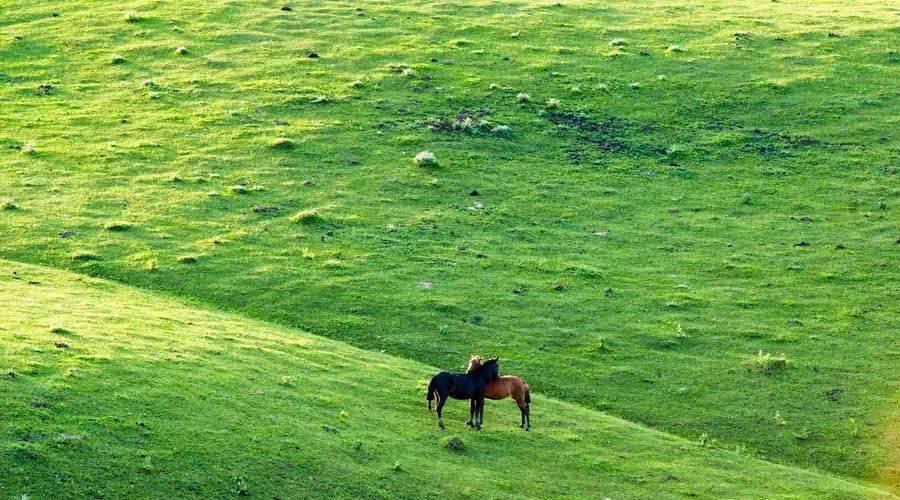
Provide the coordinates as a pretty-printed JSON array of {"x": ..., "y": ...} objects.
[{"x": 496, "y": 359}]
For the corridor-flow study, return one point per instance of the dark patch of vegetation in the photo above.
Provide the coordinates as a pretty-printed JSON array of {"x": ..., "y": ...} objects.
[
  {"x": 266, "y": 209},
  {"x": 84, "y": 256},
  {"x": 611, "y": 134},
  {"x": 769, "y": 143},
  {"x": 454, "y": 444}
]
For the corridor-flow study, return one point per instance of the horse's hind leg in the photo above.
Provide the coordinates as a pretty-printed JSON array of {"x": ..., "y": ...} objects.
[{"x": 523, "y": 409}]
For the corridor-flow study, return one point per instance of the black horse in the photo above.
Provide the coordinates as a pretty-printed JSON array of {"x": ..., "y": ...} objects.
[{"x": 469, "y": 386}]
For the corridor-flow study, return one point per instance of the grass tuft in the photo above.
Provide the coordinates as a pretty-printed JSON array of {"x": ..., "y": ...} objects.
[
  {"x": 118, "y": 226},
  {"x": 8, "y": 204},
  {"x": 766, "y": 363},
  {"x": 283, "y": 143},
  {"x": 117, "y": 59},
  {"x": 454, "y": 444},
  {"x": 186, "y": 259},
  {"x": 309, "y": 216},
  {"x": 501, "y": 130},
  {"x": 425, "y": 159},
  {"x": 84, "y": 256}
]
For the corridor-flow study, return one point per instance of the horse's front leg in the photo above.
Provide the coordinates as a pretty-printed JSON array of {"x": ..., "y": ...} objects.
[
  {"x": 479, "y": 412},
  {"x": 440, "y": 408},
  {"x": 471, "y": 421}
]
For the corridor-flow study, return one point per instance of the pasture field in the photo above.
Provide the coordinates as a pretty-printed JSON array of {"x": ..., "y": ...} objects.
[{"x": 677, "y": 220}]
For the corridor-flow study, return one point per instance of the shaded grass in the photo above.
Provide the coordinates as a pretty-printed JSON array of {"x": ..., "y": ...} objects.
[{"x": 77, "y": 433}]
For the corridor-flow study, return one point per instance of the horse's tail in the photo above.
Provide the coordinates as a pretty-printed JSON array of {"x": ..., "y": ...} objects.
[{"x": 429, "y": 396}]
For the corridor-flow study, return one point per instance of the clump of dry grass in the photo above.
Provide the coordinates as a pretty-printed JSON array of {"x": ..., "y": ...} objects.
[
  {"x": 501, "y": 130},
  {"x": 7, "y": 204},
  {"x": 116, "y": 59},
  {"x": 181, "y": 50},
  {"x": 187, "y": 259},
  {"x": 766, "y": 363},
  {"x": 523, "y": 97},
  {"x": 552, "y": 103},
  {"x": 425, "y": 159}
]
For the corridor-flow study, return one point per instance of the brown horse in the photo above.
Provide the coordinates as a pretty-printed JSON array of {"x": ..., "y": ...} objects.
[{"x": 507, "y": 386}]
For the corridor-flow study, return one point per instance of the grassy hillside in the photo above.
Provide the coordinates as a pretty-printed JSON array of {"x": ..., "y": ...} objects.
[
  {"x": 717, "y": 180},
  {"x": 118, "y": 393}
]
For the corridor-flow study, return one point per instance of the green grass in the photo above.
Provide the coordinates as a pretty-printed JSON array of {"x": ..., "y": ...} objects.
[
  {"x": 715, "y": 180},
  {"x": 152, "y": 398}
]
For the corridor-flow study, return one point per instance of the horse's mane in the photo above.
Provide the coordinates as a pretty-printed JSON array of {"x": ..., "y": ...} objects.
[{"x": 474, "y": 364}]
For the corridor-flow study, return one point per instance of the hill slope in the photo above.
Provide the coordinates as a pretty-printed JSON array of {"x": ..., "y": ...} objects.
[
  {"x": 718, "y": 179},
  {"x": 112, "y": 392}
]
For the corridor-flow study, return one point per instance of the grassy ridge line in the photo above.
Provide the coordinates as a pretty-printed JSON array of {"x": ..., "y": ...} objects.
[{"x": 118, "y": 392}]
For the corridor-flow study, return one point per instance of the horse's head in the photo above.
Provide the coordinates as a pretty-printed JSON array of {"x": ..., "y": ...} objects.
[{"x": 490, "y": 369}]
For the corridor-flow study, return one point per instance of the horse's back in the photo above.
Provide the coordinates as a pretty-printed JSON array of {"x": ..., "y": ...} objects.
[
  {"x": 443, "y": 379},
  {"x": 506, "y": 386}
]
